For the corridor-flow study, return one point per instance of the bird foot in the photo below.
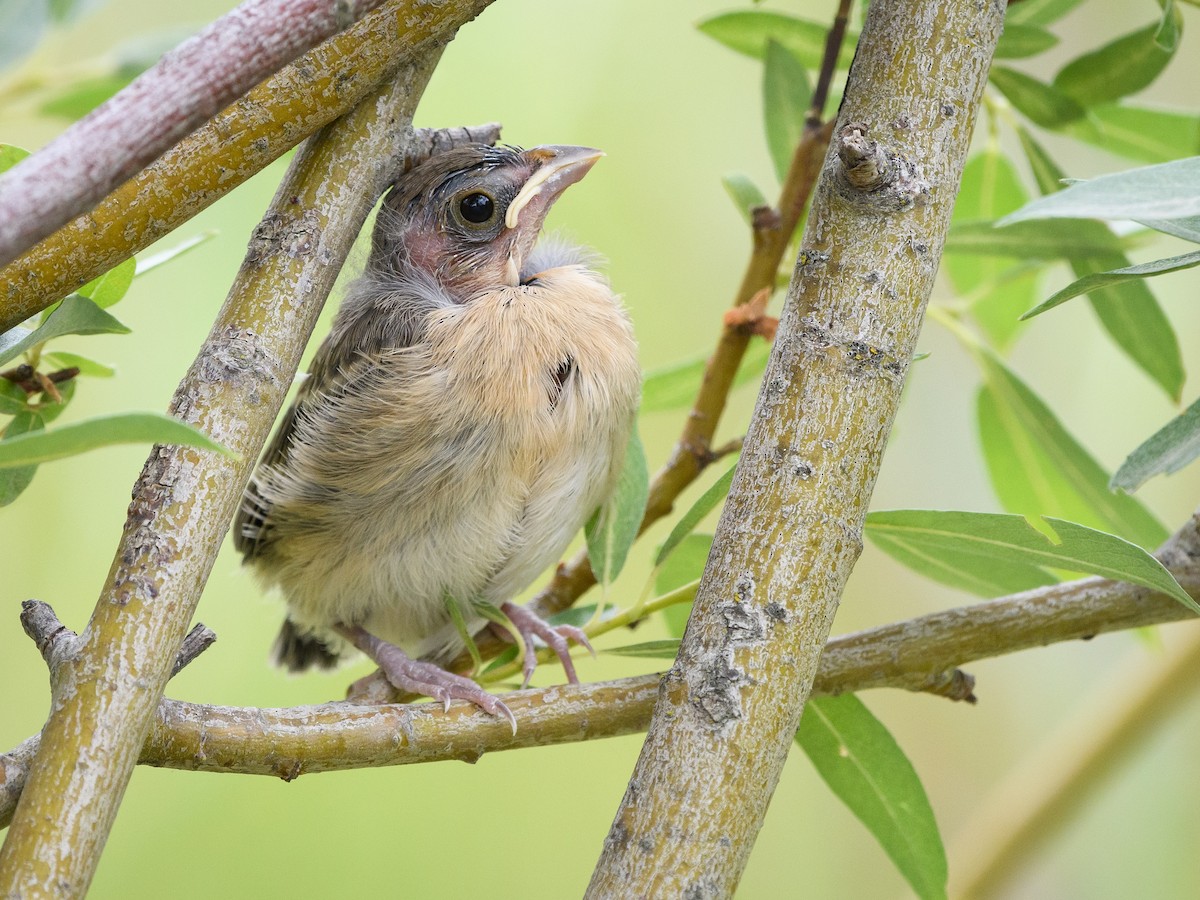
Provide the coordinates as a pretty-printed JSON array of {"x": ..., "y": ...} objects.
[
  {"x": 530, "y": 625},
  {"x": 416, "y": 677}
]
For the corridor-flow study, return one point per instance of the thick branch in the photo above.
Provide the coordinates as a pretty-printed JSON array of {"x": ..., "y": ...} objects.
[
  {"x": 182, "y": 90},
  {"x": 791, "y": 529},
  {"x": 243, "y": 138},
  {"x": 185, "y": 498},
  {"x": 920, "y": 654}
]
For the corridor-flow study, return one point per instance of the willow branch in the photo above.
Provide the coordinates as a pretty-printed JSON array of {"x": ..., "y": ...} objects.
[
  {"x": 791, "y": 529},
  {"x": 183, "y": 89},
  {"x": 105, "y": 699},
  {"x": 243, "y": 138},
  {"x": 922, "y": 654}
]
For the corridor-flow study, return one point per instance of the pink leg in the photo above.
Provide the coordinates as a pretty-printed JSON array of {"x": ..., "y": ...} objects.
[
  {"x": 424, "y": 678},
  {"x": 531, "y": 625}
]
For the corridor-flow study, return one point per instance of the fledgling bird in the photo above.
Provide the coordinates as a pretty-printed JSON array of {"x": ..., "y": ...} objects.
[{"x": 467, "y": 413}]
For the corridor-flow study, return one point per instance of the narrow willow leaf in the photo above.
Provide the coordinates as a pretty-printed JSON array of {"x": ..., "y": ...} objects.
[
  {"x": 75, "y": 315},
  {"x": 1038, "y": 12},
  {"x": 676, "y": 386},
  {"x": 664, "y": 649},
  {"x": 107, "y": 289},
  {"x": 1052, "y": 239},
  {"x": 1019, "y": 41},
  {"x": 1165, "y": 191},
  {"x": 748, "y": 31},
  {"x": 966, "y": 539},
  {"x": 787, "y": 95},
  {"x": 1041, "y": 103},
  {"x": 10, "y": 156},
  {"x": 1116, "y": 276},
  {"x": 150, "y": 263},
  {"x": 690, "y": 519},
  {"x": 990, "y": 188},
  {"x": 611, "y": 531},
  {"x": 682, "y": 567},
  {"x": 1170, "y": 27},
  {"x": 74, "y": 361},
  {"x": 1188, "y": 229},
  {"x": 454, "y": 608},
  {"x": 14, "y": 480},
  {"x": 103, "y": 431},
  {"x": 864, "y": 766},
  {"x": 1165, "y": 452},
  {"x": 1037, "y": 468},
  {"x": 744, "y": 193},
  {"x": 1139, "y": 132},
  {"x": 1128, "y": 311},
  {"x": 1115, "y": 70}
]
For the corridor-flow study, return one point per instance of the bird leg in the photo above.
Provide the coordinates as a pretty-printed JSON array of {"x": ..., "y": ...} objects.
[
  {"x": 424, "y": 678},
  {"x": 530, "y": 625}
]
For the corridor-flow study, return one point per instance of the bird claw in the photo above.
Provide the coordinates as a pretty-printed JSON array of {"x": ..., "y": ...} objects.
[
  {"x": 530, "y": 625},
  {"x": 417, "y": 677}
]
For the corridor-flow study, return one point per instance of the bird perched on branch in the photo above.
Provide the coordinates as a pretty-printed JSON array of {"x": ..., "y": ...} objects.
[{"x": 467, "y": 413}]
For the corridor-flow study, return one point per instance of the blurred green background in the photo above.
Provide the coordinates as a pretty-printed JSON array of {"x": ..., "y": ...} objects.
[{"x": 674, "y": 111}]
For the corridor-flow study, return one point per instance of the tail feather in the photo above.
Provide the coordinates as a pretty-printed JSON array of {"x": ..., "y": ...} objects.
[{"x": 297, "y": 650}]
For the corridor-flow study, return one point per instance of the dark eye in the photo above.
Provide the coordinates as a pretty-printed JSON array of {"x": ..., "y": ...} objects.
[{"x": 477, "y": 208}]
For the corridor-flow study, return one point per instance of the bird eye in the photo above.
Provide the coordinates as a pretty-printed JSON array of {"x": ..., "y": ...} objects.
[{"x": 477, "y": 208}]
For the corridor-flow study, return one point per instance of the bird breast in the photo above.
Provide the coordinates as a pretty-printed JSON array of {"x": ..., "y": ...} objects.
[{"x": 468, "y": 461}]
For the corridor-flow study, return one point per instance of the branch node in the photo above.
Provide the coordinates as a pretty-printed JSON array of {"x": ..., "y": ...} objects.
[
  {"x": 53, "y": 639},
  {"x": 199, "y": 639},
  {"x": 865, "y": 164}
]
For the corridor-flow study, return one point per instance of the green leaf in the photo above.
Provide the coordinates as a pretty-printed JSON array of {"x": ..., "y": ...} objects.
[
  {"x": 1128, "y": 311},
  {"x": 747, "y": 32},
  {"x": 787, "y": 95},
  {"x": 1123, "y": 67},
  {"x": 1051, "y": 239},
  {"x": 123, "y": 428},
  {"x": 107, "y": 289},
  {"x": 75, "y": 315},
  {"x": 701, "y": 508},
  {"x": 1170, "y": 27},
  {"x": 864, "y": 766},
  {"x": 1038, "y": 468},
  {"x": 744, "y": 193},
  {"x": 1165, "y": 452},
  {"x": 1188, "y": 228},
  {"x": 49, "y": 410},
  {"x": 990, "y": 188},
  {"x": 676, "y": 386},
  {"x": 1038, "y": 12},
  {"x": 153, "y": 261},
  {"x": 685, "y": 565},
  {"x": 10, "y": 156},
  {"x": 611, "y": 530},
  {"x": 13, "y": 481},
  {"x": 664, "y": 649},
  {"x": 1164, "y": 191},
  {"x": 1116, "y": 276},
  {"x": 74, "y": 361},
  {"x": 1139, "y": 132},
  {"x": 13, "y": 399},
  {"x": 1019, "y": 41},
  {"x": 964, "y": 541},
  {"x": 1041, "y": 103}
]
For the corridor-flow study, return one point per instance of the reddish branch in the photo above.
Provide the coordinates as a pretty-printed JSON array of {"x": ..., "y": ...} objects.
[{"x": 184, "y": 89}]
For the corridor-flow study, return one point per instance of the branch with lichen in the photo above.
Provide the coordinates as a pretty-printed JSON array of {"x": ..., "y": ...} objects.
[
  {"x": 239, "y": 141},
  {"x": 922, "y": 654},
  {"x": 108, "y": 683},
  {"x": 791, "y": 529}
]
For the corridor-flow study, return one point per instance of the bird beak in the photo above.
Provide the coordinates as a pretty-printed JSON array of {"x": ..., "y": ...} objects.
[{"x": 558, "y": 167}]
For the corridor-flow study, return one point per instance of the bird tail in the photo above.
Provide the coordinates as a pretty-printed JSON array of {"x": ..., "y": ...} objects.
[{"x": 297, "y": 650}]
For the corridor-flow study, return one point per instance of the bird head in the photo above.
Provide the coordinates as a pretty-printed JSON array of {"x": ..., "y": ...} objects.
[{"x": 469, "y": 217}]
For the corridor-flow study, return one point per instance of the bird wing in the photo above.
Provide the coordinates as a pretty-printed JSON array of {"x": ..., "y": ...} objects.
[{"x": 378, "y": 314}]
